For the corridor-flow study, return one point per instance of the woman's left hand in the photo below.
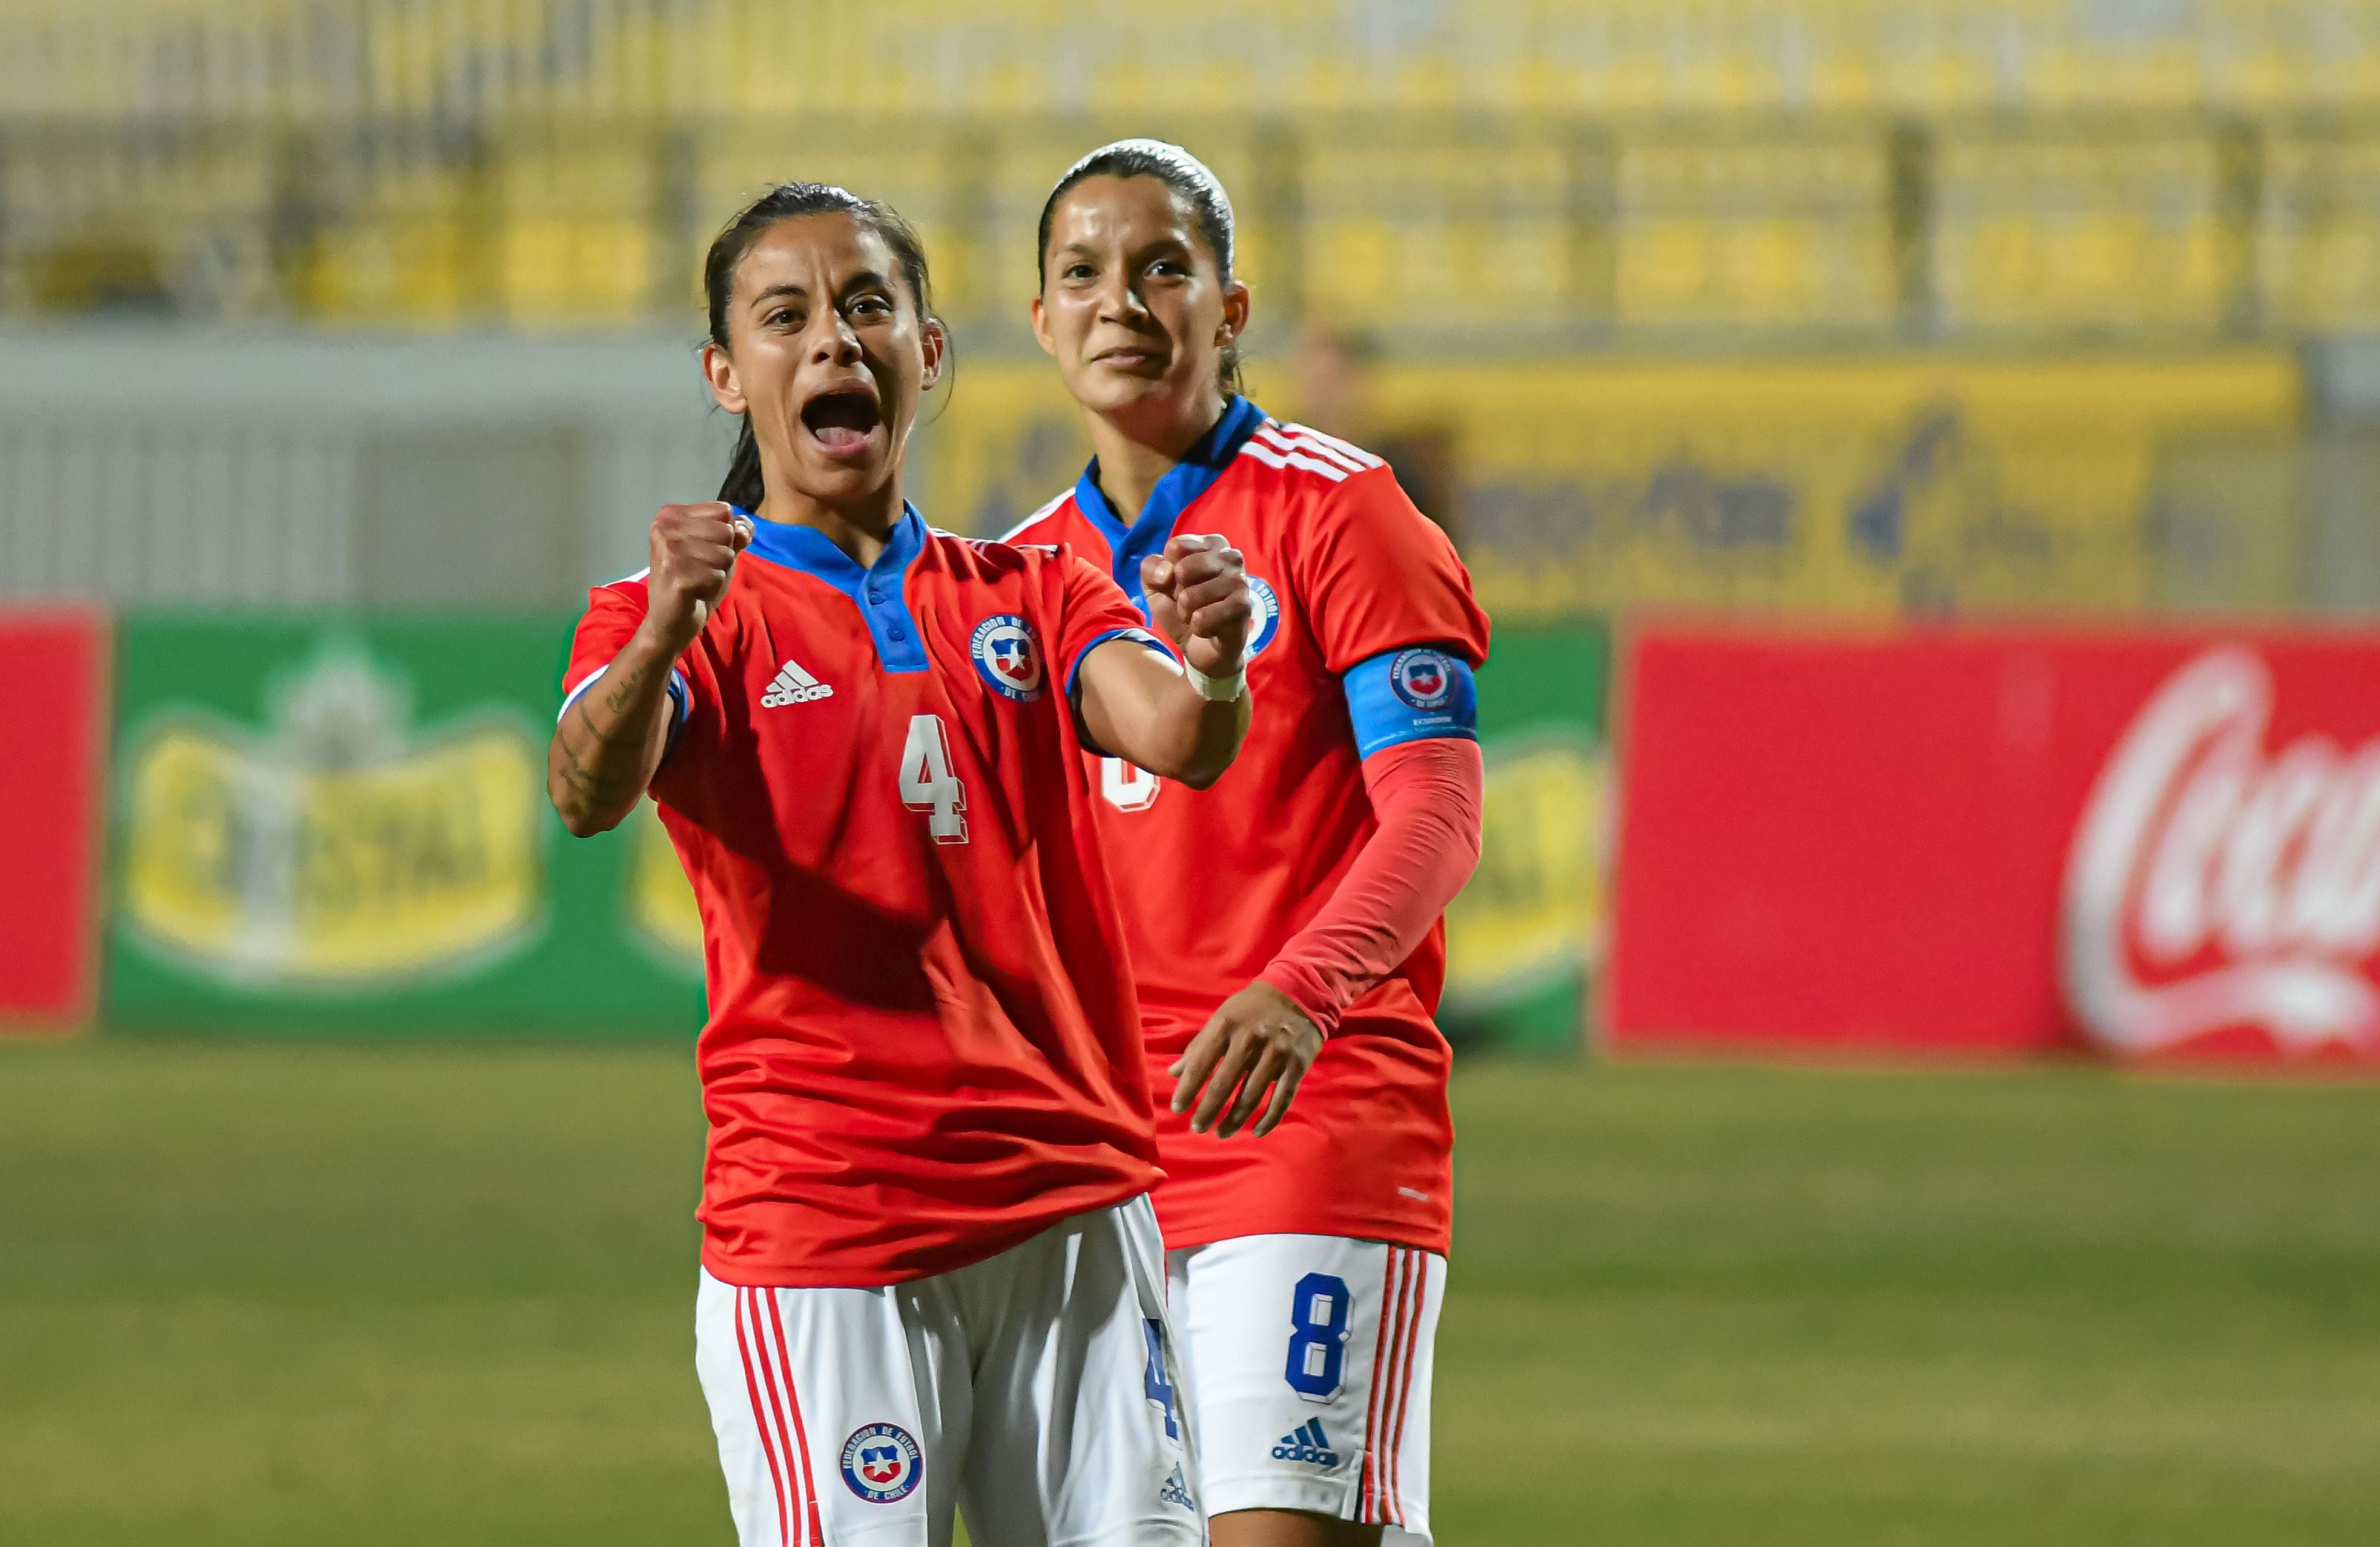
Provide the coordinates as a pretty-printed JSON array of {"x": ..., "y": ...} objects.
[{"x": 1258, "y": 1040}]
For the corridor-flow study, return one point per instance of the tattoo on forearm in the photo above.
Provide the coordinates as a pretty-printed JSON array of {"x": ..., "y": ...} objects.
[
  {"x": 611, "y": 769},
  {"x": 617, "y": 697},
  {"x": 594, "y": 784}
]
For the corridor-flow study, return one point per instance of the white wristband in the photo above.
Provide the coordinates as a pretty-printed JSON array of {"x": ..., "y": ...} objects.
[{"x": 1216, "y": 690}]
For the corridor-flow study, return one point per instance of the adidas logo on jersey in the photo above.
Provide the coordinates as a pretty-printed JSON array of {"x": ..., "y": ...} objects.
[
  {"x": 793, "y": 685},
  {"x": 1306, "y": 1444}
]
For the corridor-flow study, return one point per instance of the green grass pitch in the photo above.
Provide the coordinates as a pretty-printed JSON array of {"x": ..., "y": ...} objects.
[{"x": 252, "y": 1297}]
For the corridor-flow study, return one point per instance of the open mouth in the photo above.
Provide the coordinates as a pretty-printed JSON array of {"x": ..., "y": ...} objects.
[{"x": 841, "y": 418}]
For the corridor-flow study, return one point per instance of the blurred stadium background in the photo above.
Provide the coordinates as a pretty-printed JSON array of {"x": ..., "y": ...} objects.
[{"x": 1876, "y": 427}]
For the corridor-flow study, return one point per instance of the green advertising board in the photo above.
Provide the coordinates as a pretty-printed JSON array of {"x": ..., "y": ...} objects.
[
  {"x": 330, "y": 825},
  {"x": 1522, "y": 942}
]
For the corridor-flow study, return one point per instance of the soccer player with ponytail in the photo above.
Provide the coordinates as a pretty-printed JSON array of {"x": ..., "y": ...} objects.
[
  {"x": 930, "y": 1275},
  {"x": 1284, "y": 924}
]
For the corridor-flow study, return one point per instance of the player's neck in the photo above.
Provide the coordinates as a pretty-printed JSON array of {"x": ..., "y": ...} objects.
[
  {"x": 1136, "y": 447},
  {"x": 862, "y": 529}
]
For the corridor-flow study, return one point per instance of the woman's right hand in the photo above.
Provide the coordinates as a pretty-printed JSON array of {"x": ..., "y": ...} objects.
[
  {"x": 1197, "y": 592},
  {"x": 693, "y": 550}
]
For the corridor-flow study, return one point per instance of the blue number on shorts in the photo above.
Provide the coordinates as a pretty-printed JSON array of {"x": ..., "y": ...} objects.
[
  {"x": 1158, "y": 1389},
  {"x": 1317, "y": 1341}
]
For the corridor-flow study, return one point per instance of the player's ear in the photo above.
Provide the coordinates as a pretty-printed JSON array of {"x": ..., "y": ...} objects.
[
  {"x": 719, "y": 370},
  {"x": 1235, "y": 313},
  {"x": 934, "y": 342},
  {"x": 1041, "y": 330}
]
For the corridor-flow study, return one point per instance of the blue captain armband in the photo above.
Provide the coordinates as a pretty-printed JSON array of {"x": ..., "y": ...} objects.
[{"x": 1420, "y": 693}]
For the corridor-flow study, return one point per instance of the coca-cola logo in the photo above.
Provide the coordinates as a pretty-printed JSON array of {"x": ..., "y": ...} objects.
[{"x": 2216, "y": 883}]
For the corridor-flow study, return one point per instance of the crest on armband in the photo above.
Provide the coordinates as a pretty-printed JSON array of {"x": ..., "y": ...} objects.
[{"x": 1424, "y": 679}]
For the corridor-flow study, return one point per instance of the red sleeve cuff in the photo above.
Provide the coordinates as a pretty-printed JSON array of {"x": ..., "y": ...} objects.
[{"x": 1304, "y": 986}]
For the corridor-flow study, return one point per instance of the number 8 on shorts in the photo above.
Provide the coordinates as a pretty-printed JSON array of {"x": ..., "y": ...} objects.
[
  {"x": 1318, "y": 1339},
  {"x": 1308, "y": 1374}
]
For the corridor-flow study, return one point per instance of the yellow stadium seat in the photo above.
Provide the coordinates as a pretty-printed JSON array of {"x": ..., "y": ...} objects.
[
  {"x": 1797, "y": 236},
  {"x": 578, "y": 274},
  {"x": 1435, "y": 234},
  {"x": 2080, "y": 235},
  {"x": 412, "y": 271},
  {"x": 2321, "y": 232}
]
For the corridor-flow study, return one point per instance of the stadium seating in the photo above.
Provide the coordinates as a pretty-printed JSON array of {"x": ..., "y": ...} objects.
[
  {"x": 280, "y": 57},
  {"x": 1753, "y": 234},
  {"x": 1996, "y": 167},
  {"x": 2320, "y": 231},
  {"x": 2080, "y": 236}
]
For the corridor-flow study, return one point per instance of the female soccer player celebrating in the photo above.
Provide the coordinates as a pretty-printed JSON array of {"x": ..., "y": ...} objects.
[
  {"x": 930, "y": 1273},
  {"x": 1305, "y": 1266}
]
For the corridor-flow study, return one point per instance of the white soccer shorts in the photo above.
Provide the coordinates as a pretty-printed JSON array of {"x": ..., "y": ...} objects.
[
  {"x": 1308, "y": 1375},
  {"x": 1033, "y": 1390}
]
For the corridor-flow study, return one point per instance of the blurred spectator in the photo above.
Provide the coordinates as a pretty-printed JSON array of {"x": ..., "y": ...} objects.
[{"x": 1329, "y": 372}]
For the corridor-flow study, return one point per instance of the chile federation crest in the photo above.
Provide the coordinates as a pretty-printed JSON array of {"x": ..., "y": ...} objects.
[
  {"x": 1421, "y": 677},
  {"x": 880, "y": 1463},
  {"x": 1008, "y": 657}
]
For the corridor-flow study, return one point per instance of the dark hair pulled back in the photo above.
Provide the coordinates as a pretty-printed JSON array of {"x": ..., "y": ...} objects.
[
  {"x": 791, "y": 202},
  {"x": 1210, "y": 208}
]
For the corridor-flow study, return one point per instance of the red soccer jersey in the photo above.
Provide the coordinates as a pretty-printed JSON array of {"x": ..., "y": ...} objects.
[
  {"x": 922, "y": 1044},
  {"x": 1347, "y": 573}
]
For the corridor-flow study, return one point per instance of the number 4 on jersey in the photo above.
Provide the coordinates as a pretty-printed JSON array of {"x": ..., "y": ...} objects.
[{"x": 927, "y": 783}]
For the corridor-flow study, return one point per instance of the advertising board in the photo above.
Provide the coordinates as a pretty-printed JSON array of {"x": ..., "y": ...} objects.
[
  {"x": 333, "y": 824},
  {"x": 1856, "y": 484},
  {"x": 2001, "y": 842},
  {"x": 1524, "y": 938},
  {"x": 51, "y": 773}
]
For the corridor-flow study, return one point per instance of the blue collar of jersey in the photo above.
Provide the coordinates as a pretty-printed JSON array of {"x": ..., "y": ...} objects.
[
  {"x": 880, "y": 591},
  {"x": 1188, "y": 479}
]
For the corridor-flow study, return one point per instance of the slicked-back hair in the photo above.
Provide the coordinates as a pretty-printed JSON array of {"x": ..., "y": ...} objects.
[{"x": 1210, "y": 208}]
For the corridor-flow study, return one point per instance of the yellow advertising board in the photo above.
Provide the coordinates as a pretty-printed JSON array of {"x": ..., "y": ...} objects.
[
  {"x": 1861, "y": 485},
  {"x": 1534, "y": 910},
  {"x": 1871, "y": 485},
  {"x": 331, "y": 849},
  {"x": 332, "y": 823}
]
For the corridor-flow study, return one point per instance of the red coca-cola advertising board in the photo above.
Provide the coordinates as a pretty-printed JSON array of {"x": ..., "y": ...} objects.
[
  {"x": 1985, "y": 842},
  {"x": 51, "y": 780}
]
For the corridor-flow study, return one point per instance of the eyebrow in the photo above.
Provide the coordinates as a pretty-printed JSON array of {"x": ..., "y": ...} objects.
[
  {"x": 1169, "y": 243},
  {"x": 859, "y": 281}
]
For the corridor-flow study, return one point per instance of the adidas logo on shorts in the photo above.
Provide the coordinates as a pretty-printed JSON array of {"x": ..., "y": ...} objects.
[
  {"x": 1177, "y": 1491},
  {"x": 1306, "y": 1444},
  {"x": 793, "y": 685}
]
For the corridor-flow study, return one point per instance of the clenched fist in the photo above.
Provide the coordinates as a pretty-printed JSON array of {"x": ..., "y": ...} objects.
[
  {"x": 693, "y": 549},
  {"x": 1197, "y": 592}
]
